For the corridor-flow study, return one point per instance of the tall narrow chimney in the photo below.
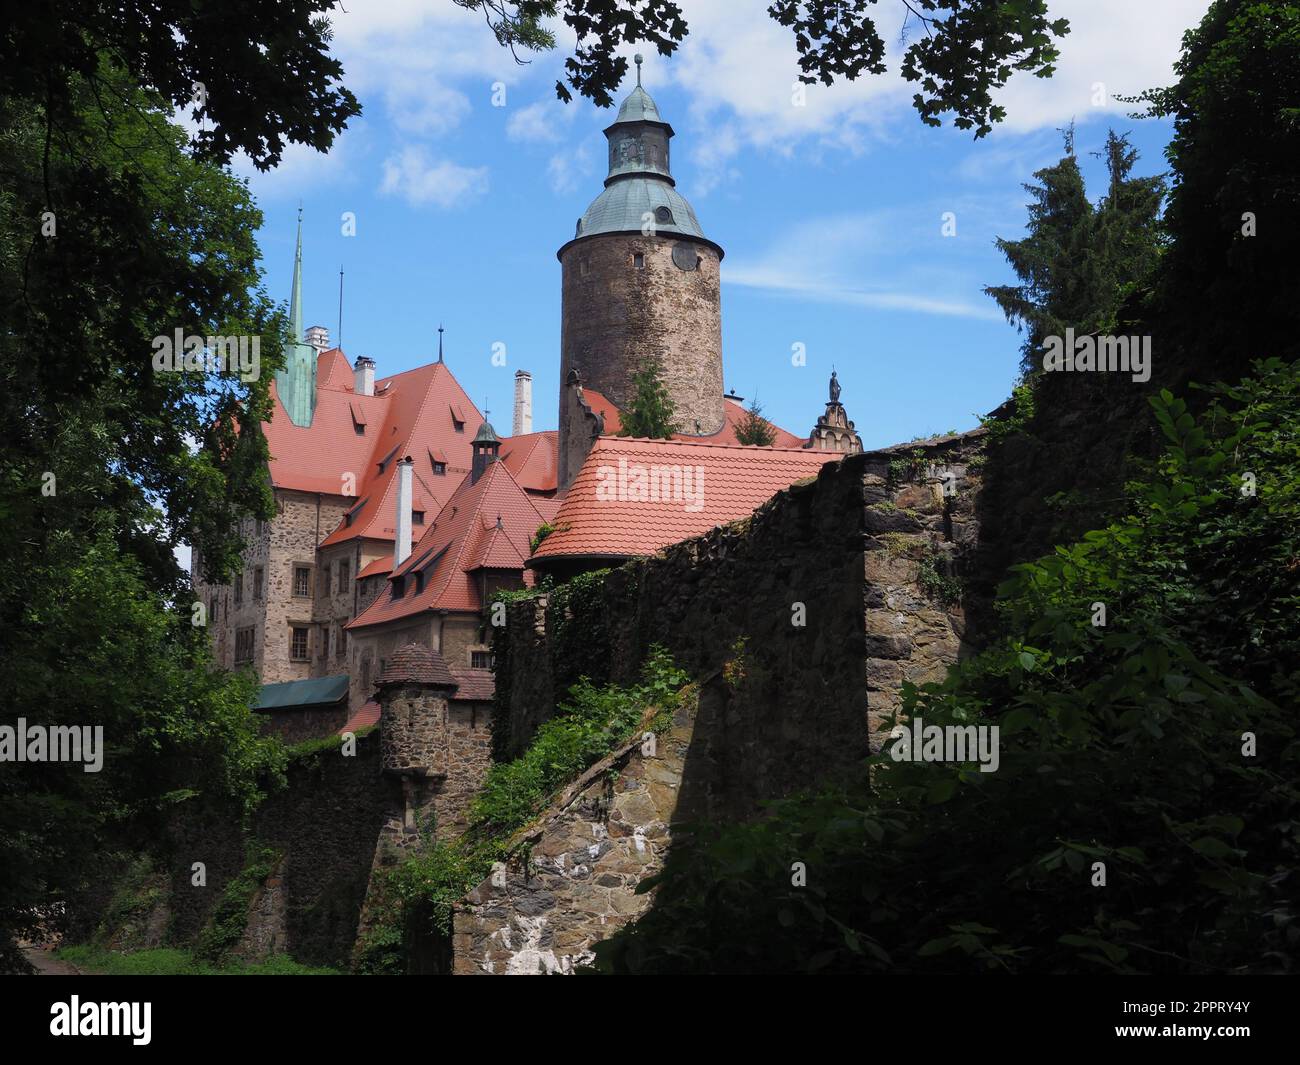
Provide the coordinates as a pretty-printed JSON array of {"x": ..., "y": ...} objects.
[
  {"x": 318, "y": 337},
  {"x": 523, "y": 403},
  {"x": 402, "y": 541},
  {"x": 363, "y": 383}
]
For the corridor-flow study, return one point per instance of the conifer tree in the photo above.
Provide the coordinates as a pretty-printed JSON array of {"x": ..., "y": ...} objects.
[
  {"x": 651, "y": 412},
  {"x": 754, "y": 430},
  {"x": 1078, "y": 262}
]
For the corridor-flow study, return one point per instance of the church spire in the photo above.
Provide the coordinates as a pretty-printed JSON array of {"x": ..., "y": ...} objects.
[{"x": 296, "y": 383}]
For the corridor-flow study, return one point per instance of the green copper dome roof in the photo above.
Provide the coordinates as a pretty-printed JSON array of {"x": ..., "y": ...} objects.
[
  {"x": 639, "y": 190},
  {"x": 622, "y": 206},
  {"x": 638, "y": 107}
]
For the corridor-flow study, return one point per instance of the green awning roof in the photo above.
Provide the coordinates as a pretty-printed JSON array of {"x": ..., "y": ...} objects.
[{"x": 319, "y": 691}]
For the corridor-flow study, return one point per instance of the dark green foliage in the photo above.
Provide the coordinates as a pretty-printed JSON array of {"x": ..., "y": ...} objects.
[
  {"x": 229, "y": 917},
  {"x": 1223, "y": 297},
  {"x": 754, "y": 430},
  {"x": 167, "y": 961},
  {"x": 650, "y": 411},
  {"x": 116, "y": 229},
  {"x": 1120, "y": 743},
  {"x": 1078, "y": 262},
  {"x": 962, "y": 52}
]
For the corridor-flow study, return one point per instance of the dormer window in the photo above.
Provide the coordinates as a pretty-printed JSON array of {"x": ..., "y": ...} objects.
[
  {"x": 440, "y": 468},
  {"x": 663, "y": 216},
  {"x": 417, "y": 517}
]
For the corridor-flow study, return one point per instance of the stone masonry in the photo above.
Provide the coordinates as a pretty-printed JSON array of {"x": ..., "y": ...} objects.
[{"x": 851, "y": 584}]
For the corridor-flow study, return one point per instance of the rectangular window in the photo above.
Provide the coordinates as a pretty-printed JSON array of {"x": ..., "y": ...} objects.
[
  {"x": 417, "y": 517},
  {"x": 638, "y": 260},
  {"x": 341, "y": 644},
  {"x": 343, "y": 575},
  {"x": 243, "y": 646},
  {"x": 239, "y": 588},
  {"x": 325, "y": 577},
  {"x": 481, "y": 659},
  {"x": 298, "y": 643},
  {"x": 440, "y": 468},
  {"x": 302, "y": 581},
  {"x": 324, "y": 641},
  {"x": 212, "y": 612},
  {"x": 257, "y": 584}
]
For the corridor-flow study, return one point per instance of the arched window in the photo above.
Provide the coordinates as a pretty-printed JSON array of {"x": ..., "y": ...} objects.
[{"x": 663, "y": 216}]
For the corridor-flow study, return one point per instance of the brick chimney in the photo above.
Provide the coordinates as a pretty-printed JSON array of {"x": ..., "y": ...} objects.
[
  {"x": 364, "y": 376},
  {"x": 318, "y": 337},
  {"x": 402, "y": 527},
  {"x": 523, "y": 403}
]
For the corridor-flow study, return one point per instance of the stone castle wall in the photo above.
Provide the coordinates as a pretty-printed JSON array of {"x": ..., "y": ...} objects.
[{"x": 868, "y": 556}]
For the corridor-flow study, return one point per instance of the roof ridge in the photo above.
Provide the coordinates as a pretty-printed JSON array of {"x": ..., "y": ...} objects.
[{"x": 692, "y": 443}]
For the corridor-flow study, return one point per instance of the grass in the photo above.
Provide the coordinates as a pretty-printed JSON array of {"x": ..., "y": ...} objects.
[{"x": 167, "y": 961}]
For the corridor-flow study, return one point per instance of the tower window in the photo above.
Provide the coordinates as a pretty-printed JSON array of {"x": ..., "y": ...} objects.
[
  {"x": 582, "y": 267},
  {"x": 638, "y": 260},
  {"x": 663, "y": 216}
]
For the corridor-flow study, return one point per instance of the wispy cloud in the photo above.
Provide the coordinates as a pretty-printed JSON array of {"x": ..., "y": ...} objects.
[
  {"x": 422, "y": 181},
  {"x": 854, "y": 259}
]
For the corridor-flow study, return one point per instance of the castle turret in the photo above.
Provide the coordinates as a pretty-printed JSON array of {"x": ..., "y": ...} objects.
[{"x": 640, "y": 284}]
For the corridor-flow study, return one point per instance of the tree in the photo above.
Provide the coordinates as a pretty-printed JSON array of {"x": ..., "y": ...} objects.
[
  {"x": 118, "y": 228},
  {"x": 650, "y": 412},
  {"x": 1078, "y": 262},
  {"x": 1227, "y": 291},
  {"x": 965, "y": 49},
  {"x": 754, "y": 430}
]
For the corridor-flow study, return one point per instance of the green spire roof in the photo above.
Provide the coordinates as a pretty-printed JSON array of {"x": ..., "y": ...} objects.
[{"x": 296, "y": 383}]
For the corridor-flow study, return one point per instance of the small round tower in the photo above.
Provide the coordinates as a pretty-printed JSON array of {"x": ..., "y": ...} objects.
[{"x": 641, "y": 280}]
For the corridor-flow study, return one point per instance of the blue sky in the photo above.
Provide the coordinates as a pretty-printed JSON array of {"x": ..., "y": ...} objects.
[{"x": 831, "y": 214}]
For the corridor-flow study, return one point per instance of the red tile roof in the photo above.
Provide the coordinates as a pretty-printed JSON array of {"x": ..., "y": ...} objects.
[
  {"x": 474, "y": 685},
  {"x": 462, "y": 538},
  {"x": 419, "y": 664},
  {"x": 604, "y": 514},
  {"x": 379, "y": 565},
  {"x": 410, "y": 414},
  {"x": 366, "y": 715},
  {"x": 532, "y": 459}
]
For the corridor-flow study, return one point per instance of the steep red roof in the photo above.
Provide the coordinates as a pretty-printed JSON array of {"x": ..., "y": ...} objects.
[
  {"x": 461, "y": 538},
  {"x": 379, "y": 565},
  {"x": 628, "y": 499},
  {"x": 531, "y": 457},
  {"x": 417, "y": 663},
  {"x": 333, "y": 371},
  {"x": 474, "y": 685},
  {"x": 365, "y": 715}
]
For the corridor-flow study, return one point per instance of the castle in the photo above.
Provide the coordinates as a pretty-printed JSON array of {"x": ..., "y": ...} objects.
[{"x": 400, "y": 512}]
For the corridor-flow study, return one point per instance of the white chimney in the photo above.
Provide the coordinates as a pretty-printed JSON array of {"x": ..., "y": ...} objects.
[
  {"x": 364, "y": 376},
  {"x": 523, "y": 403},
  {"x": 402, "y": 543},
  {"x": 318, "y": 337}
]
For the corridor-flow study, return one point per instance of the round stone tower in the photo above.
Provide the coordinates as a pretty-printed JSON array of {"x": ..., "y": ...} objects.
[{"x": 640, "y": 281}]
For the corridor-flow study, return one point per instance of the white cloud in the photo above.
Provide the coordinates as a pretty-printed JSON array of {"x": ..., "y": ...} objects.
[
  {"x": 1123, "y": 45},
  {"x": 570, "y": 169},
  {"x": 856, "y": 259},
  {"x": 545, "y": 121},
  {"x": 418, "y": 179}
]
